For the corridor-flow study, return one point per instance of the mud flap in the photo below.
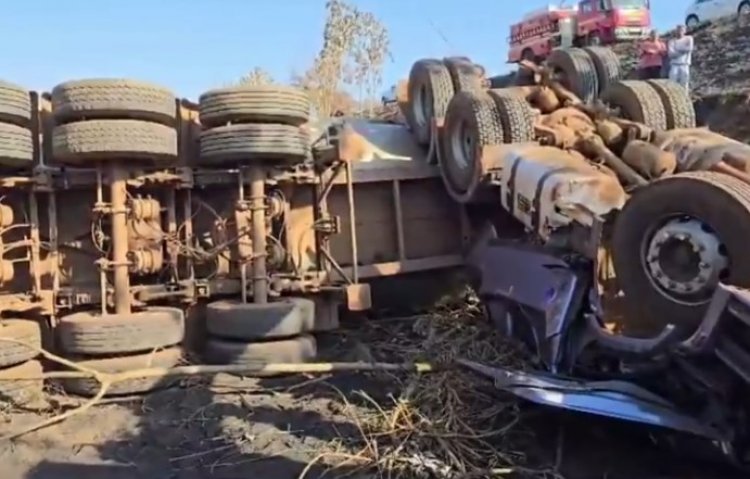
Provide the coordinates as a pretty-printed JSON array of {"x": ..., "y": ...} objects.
[{"x": 613, "y": 399}]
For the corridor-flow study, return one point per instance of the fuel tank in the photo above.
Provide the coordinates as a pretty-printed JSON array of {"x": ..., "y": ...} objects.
[{"x": 546, "y": 188}]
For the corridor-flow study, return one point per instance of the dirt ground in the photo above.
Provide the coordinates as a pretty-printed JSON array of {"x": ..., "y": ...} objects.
[{"x": 231, "y": 427}]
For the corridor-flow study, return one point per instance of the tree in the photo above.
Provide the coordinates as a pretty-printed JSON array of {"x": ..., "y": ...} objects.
[
  {"x": 355, "y": 44},
  {"x": 370, "y": 49},
  {"x": 257, "y": 76}
]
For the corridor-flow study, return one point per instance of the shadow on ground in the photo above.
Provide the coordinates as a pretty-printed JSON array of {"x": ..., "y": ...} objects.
[
  {"x": 274, "y": 428},
  {"x": 232, "y": 427}
]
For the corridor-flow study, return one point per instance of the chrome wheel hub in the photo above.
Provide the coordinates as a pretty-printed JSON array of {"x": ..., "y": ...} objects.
[{"x": 685, "y": 258}]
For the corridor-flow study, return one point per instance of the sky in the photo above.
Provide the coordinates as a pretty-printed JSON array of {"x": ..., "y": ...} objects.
[{"x": 191, "y": 46}]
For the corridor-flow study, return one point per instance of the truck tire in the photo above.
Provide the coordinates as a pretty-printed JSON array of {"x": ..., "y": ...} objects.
[
  {"x": 577, "y": 71},
  {"x": 260, "y": 104},
  {"x": 16, "y": 146},
  {"x": 248, "y": 321},
  {"x": 430, "y": 91},
  {"x": 464, "y": 73},
  {"x": 247, "y": 143},
  {"x": 607, "y": 66},
  {"x": 472, "y": 121},
  {"x": 167, "y": 358},
  {"x": 637, "y": 101},
  {"x": 93, "y": 141},
  {"x": 23, "y": 391},
  {"x": 112, "y": 98},
  {"x": 516, "y": 116},
  {"x": 678, "y": 106},
  {"x": 92, "y": 334},
  {"x": 15, "y": 104},
  {"x": 19, "y": 330},
  {"x": 296, "y": 350},
  {"x": 645, "y": 234}
]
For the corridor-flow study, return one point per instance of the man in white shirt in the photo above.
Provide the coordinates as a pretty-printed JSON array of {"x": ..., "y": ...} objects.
[{"x": 680, "y": 52}]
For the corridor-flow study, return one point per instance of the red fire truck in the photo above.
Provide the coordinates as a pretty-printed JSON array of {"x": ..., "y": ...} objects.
[{"x": 592, "y": 22}]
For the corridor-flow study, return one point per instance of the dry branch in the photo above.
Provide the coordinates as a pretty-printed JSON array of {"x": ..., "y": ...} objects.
[
  {"x": 447, "y": 424},
  {"x": 355, "y": 45}
]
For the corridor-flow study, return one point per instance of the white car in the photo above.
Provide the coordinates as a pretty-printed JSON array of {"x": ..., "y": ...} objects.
[{"x": 701, "y": 11}]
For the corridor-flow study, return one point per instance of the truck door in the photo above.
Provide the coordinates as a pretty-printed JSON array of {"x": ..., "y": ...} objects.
[
  {"x": 589, "y": 16},
  {"x": 587, "y": 12}
]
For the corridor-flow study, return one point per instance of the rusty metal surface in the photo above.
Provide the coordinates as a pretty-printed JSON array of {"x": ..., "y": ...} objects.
[
  {"x": 259, "y": 234},
  {"x": 358, "y": 297},
  {"x": 173, "y": 234},
  {"x": 119, "y": 238}
]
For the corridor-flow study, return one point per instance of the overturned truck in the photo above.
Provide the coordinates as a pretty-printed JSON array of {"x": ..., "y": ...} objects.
[
  {"x": 125, "y": 213},
  {"x": 608, "y": 232}
]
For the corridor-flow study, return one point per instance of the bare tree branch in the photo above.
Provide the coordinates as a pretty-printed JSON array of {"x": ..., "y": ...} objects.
[{"x": 257, "y": 76}]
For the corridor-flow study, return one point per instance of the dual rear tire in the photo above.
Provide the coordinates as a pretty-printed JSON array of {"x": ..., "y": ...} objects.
[
  {"x": 248, "y": 334},
  {"x": 122, "y": 342},
  {"x": 103, "y": 120},
  {"x": 249, "y": 124},
  {"x": 16, "y": 143}
]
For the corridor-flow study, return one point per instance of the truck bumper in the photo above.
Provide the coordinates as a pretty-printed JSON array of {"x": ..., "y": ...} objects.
[{"x": 630, "y": 33}]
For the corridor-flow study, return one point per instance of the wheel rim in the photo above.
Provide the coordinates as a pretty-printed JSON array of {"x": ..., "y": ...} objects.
[
  {"x": 684, "y": 259},
  {"x": 423, "y": 106},
  {"x": 462, "y": 144}
]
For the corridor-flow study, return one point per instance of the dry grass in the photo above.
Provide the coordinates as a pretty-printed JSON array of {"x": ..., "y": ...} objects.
[{"x": 450, "y": 423}]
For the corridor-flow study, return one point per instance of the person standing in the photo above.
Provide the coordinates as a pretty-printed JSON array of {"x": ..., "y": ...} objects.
[
  {"x": 680, "y": 53},
  {"x": 651, "y": 59}
]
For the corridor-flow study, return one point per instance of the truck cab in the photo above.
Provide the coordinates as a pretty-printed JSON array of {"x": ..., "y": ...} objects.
[
  {"x": 591, "y": 22},
  {"x": 610, "y": 21}
]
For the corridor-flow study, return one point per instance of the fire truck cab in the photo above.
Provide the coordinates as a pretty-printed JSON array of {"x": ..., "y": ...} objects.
[
  {"x": 591, "y": 22},
  {"x": 611, "y": 21}
]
